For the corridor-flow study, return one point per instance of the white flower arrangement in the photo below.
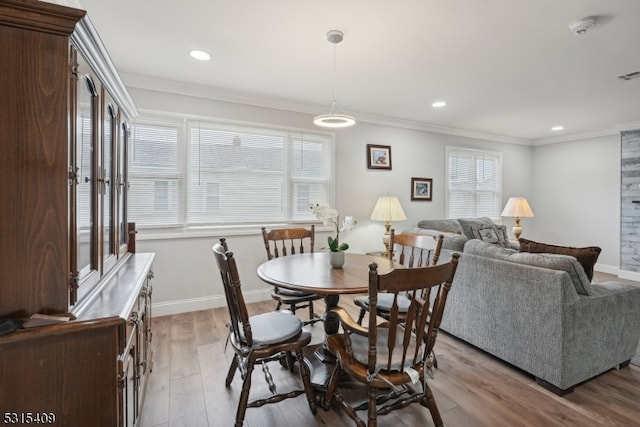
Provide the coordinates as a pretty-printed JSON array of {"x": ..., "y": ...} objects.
[{"x": 330, "y": 216}]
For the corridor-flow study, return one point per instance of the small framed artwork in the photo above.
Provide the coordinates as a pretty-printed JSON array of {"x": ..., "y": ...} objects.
[
  {"x": 378, "y": 156},
  {"x": 421, "y": 188}
]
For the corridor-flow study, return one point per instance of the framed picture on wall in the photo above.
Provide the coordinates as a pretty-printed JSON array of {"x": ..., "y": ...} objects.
[
  {"x": 378, "y": 156},
  {"x": 421, "y": 188}
]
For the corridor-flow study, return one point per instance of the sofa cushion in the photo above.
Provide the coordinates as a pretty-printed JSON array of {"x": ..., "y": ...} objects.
[
  {"x": 495, "y": 234},
  {"x": 466, "y": 223},
  {"x": 567, "y": 263},
  {"x": 454, "y": 242},
  {"x": 586, "y": 256},
  {"x": 478, "y": 247}
]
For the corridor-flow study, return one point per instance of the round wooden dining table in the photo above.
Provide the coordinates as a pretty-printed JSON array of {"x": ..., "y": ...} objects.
[{"x": 312, "y": 273}]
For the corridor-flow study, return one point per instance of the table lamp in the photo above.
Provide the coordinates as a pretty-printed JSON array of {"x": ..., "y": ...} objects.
[
  {"x": 517, "y": 207},
  {"x": 388, "y": 209}
]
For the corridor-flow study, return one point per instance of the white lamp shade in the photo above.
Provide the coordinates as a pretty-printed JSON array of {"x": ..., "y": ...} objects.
[
  {"x": 517, "y": 207},
  {"x": 388, "y": 209}
]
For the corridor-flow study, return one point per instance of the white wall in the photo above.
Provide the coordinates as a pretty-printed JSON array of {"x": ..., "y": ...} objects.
[
  {"x": 414, "y": 154},
  {"x": 576, "y": 196},
  {"x": 186, "y": 277}
]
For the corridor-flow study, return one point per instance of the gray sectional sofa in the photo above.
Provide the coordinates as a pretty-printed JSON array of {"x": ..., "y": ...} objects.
[{"x": 538, "y": 312}]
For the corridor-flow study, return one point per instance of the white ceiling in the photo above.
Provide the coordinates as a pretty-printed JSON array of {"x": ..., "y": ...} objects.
[{"x": 505, "y": 67}]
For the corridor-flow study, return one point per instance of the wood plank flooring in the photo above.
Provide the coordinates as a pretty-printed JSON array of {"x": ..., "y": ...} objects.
[{"x": 472, "y": 388}]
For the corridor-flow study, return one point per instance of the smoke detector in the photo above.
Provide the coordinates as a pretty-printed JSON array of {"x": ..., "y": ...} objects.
[{"x": 581, "y": 26}]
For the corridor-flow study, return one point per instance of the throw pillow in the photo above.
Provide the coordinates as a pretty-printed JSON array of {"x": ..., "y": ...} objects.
[
  {"x": 494, "y": 234},
  {"x": 466, "y": 223},
  {"x": 586, "y": 256}
]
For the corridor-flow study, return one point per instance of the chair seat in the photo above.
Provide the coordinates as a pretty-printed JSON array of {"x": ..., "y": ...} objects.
[
  {"x": 385, "y": 301},
  {"x": 274, "y": 327},
  {"x": 360, "y": 344},
  {"x": 292, "y": 293}
]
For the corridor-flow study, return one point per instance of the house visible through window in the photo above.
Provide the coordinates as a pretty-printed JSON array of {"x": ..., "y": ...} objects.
[
  {"x": 213, "y": 196},
  {"x": 161, "y": 195},
  {"x": 202, "y": 173},
  {"x": 474, "y": 183}
]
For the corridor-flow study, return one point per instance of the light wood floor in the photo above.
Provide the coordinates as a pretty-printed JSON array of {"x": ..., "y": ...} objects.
[{"x": 186, "y": 387}]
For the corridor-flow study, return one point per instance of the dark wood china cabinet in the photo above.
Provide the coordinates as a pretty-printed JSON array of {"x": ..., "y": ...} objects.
[{"x": 64, "y": 233}]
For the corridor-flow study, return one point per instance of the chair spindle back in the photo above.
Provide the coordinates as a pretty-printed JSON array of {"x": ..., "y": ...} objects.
[
  {"x": 412, "y": 333},
  {"x": 287, "y": 241},
  {"x": 233, "y": 293}
]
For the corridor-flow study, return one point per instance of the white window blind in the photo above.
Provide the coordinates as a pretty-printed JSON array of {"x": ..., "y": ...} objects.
[
  {"x": 219, "y": 174},
  {"x": 156, "y": 174},
  {"x": 474, "y": 183}
]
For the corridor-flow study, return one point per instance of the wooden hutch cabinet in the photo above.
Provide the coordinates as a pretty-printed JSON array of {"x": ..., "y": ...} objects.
[{"x": 64, "y": 235}]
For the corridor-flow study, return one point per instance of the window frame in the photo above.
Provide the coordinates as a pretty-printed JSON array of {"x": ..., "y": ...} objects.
[
  {"x": 496, "y": 191},
  {"x": 184, "y": 124}
]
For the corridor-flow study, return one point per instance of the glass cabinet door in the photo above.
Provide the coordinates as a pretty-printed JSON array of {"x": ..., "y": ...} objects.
[
  {"x": 84, "y": 175},
  {"x": 122, "y": 187},
  {"x": 107, "y": 187},
  {"x": 85, "y": 166}
]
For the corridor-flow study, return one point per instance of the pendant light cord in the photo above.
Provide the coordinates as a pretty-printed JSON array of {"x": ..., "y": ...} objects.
[{"x": 334, "y": 78}]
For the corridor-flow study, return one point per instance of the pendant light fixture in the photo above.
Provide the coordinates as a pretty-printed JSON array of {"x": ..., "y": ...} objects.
[{"x": 334, "y": 120}]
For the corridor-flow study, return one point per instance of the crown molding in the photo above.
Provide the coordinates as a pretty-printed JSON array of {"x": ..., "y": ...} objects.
[
  {"x": 616, "y": 130},
  {"x": 86, "y": 39},
  {"x": 629, "y": 126},
  {"x": 226, "y": 95},
  {"x": 238, "y": 97}
]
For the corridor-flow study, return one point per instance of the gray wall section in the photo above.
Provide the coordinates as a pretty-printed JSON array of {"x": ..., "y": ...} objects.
[{"x": 630, "y": 193}]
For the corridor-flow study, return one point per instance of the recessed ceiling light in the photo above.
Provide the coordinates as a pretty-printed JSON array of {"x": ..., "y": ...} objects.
[
  {"x": 557, "y": 128},
  {"x": 200, "y": 55},
  {"x": 439, "y": 104}
]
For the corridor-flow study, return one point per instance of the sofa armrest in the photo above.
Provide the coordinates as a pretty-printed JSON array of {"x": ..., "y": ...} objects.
[
  {"x": 441, "y": 225},
  {"x": 601, "y": 329},
  {"x": 451, "y": 241}
]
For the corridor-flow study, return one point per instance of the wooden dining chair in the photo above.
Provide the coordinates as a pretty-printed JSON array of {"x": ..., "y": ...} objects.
[
  {"x": 394, "y": 358},
  {"x": 260, "y": 339},
  {"x": 410, "y": 250},
  {"x": 283, "y": 242}
]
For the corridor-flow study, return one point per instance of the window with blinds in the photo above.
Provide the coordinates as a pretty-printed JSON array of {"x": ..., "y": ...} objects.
[
  {"x": 474, "y": 183},
  {"x": 194, "y": 173}
]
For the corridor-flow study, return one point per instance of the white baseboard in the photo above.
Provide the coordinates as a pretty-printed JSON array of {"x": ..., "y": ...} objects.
[
  {"x": 629, "y": 275},
  {"x": 204, "y": 303},
  {"x": 604, "y": 268},
  {"x": 622, "y": 274}
]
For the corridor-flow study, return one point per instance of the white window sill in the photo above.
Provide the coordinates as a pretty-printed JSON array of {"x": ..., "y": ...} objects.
[{"x": 208, "y": 232}]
